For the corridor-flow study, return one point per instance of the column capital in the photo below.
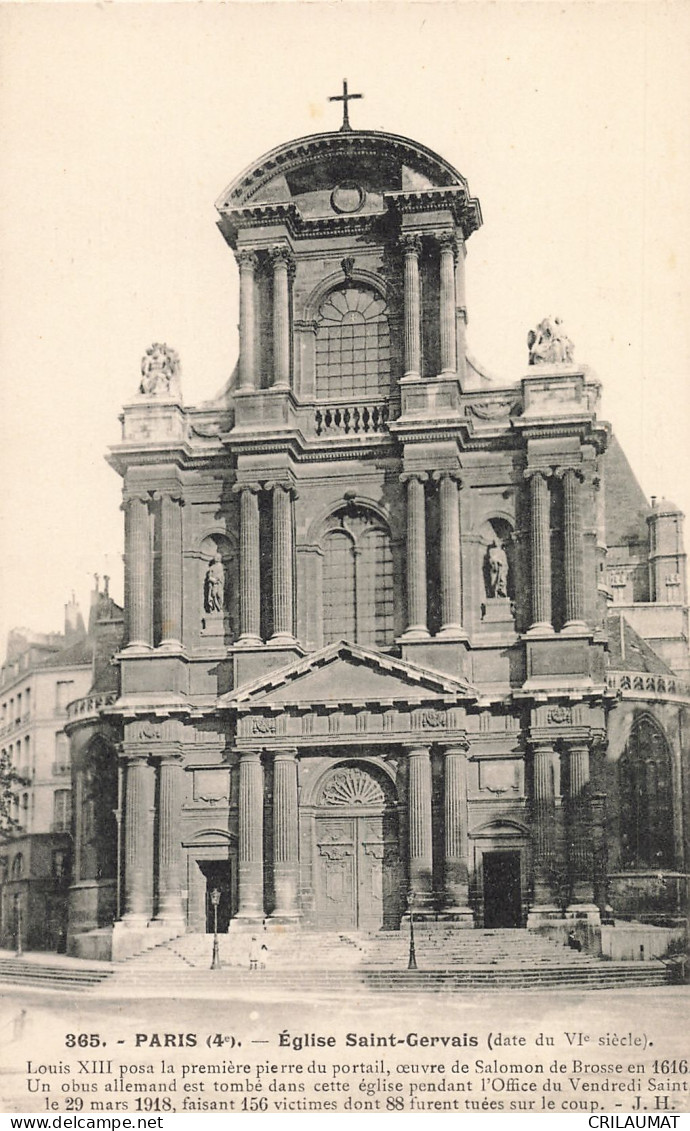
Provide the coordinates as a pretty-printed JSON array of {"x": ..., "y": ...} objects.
[
  {"x": 247, "y": 259},
  {"x": 174, "y": 494},
  {"x": 135, "y": 497},
  {"x": 447, "y": 473},
  {"x": 458, "y": 746},
  {"x": 447, "y": 242},
  {"x": 561, "y": 472},
  {"x": 414, "y": 476},
  {"x": 417, "y": 749},
  {"x": 285, "y": 754},
  {"x": 531, "y": 472},
  {"x": 411, "y": 243},
  {"x": 543, "y": 745},
  {"x": 281, "y": 485},
  {"x": 280, "y": 254},
  {"x": 169, "y": 757},
  {"x": 250, "y": 754},
  {"x": 253, "y": 488}
]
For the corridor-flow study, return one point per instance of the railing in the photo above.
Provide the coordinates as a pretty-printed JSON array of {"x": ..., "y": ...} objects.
[
  {"x": 90, "y": 704},
  {"x": 649, "y": 683},
  {"x": 351, "y": 420}
]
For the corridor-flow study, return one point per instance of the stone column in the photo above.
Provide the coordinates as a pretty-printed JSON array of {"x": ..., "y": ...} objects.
[
  {"x": 285, "y": 838},
  {"x": 138, "y": 841},
  {"x": 573, "y": 558},
  {"x": 138, "y": 571},
  {"x": 580, "y": 831},
  {"x": 451, "y": 593},
  {"x": 250, "y": 575},
  {"x": 169, "y": 909},
  {"x": 455, "y": 872},
  {"x": 171, "y": 568},
  {"x": 251, "y": 836},
  {"x": 247, "y": 261},
  {"x": 419, "y": 826},
  {"x": 540, "y": 543},
  {"x": 281, "y": 260},
  {"x": 412, "y": 247},
  {"x": 282, "y": 563},
  {"x": 447, "y": 316},
  {"x": 544, "y": 822},
  {"x": 416, "y": 555}
]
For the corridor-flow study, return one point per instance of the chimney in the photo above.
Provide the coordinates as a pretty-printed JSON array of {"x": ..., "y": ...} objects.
[{"x": 74, "y": 621}]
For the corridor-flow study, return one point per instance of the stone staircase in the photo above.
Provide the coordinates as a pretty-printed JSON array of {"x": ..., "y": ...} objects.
[
  {"x": 52, "y": 975},
  {"x": 312, "y": 962}
]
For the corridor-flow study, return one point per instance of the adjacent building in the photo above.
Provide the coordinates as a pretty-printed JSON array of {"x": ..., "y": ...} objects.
[{"x": 398, "y": 635}]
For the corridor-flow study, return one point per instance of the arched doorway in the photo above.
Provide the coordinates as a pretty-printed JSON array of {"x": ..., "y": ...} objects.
[
  {"x": 501, "y": 863},
  {"x": 357, "y": 864}
]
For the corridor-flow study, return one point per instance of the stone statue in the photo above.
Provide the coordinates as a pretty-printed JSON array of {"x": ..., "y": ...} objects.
[
  {"x": 214, "y": 586},
  {"x": 160, "y": 371},
  {"x": 549, "y": 344},
  {"x": 497, "y": 563}
]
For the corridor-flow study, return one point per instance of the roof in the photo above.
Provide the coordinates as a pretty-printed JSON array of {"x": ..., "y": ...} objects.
[
  {"x": 629, "y": 652},
  {"x": 74, "y": 655},
  {"x": 627, "y": 507}
]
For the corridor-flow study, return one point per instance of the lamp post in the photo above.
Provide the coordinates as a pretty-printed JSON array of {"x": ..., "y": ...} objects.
[
  {"x": 18, "y": 923},
  {"x": 412, "y": 959},
  {"x": 215, "y": 900}
]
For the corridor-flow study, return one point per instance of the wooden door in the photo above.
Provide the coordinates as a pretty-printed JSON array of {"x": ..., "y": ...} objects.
[{"x": 358, "y": 872}]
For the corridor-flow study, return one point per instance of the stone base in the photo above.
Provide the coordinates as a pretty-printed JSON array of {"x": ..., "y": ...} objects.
[
  {"x": 498, "y": 613},
  {"x": 542, "y": 913},
  {"x": 588, "y": 912},
  {"x": 282, "y": 920},
  {"x": 95, "y": 946},
  {"x": 460, "y": 917},
  {"x": 213, "y": 624}
]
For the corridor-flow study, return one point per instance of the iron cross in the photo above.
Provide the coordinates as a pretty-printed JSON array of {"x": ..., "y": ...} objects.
[{"x": 344, "y": 98}]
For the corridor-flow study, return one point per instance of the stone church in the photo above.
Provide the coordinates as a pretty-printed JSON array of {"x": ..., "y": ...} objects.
[{"x": 399, "y": 637}]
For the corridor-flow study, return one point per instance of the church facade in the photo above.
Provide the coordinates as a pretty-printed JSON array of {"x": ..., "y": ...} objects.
[{"x": 368, "y": 663}]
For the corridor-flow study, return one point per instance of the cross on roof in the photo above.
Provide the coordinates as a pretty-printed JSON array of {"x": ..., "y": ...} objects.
[{"x": 344, "y": 98}]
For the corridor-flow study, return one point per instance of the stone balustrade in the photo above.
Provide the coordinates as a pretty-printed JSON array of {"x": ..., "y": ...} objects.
[
  {"x": 346, "y": 420},
  {"x": 90, "y": 704},
  {"x": 648, "y": 684}
]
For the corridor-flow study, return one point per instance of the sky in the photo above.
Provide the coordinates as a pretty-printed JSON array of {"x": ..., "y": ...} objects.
[{"x": 122, "y": 123}]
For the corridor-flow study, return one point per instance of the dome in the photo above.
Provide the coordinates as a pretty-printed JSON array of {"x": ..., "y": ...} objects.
[{"x": 665, "y": 506}]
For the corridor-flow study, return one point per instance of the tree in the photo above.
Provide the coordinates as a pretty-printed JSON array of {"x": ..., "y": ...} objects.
[{"x": 10, "y": 781}]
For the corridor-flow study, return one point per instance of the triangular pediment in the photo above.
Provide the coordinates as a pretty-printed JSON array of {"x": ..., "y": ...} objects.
[{"x": 347, "y": 674}]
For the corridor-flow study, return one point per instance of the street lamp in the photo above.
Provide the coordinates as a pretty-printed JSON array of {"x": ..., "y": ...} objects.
[
  {"x": 412, "y": 959},
  {"x": 215, "y": 900}
]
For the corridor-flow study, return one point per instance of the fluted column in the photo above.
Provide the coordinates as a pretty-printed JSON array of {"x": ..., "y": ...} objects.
[
  {"x": 544, "y": 822},
  {"x": 447, "y": 315},
  {"x": 138, "y": 571},
  {"x": 281, "y": 260},
  {"x": 247, "y": 261},
  {"x": 580, "y": 826},
  {"x": 169, "y": 907},
  {"x": 416, "y": 555},
  {"x": 138, "y": 840},
  {"x": 455, "y": 872},
  {"x": 283, "y": 494},
  {"x": 171, "y": 568},
  {"x": 412, "y": 247},
  {"x": 540, "y": 543},
  {"x": 451, "y": 592},
  {"x": 285, "y": 842},
  {"x": 250, "y": 569},
  {"x": 251, "y": 836},
  {"x": 573, "y": 557},
  {"x": 419, "y": 826}
]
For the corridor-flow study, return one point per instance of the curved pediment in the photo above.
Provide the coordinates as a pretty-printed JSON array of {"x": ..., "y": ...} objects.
[
  {"x": 347, "y": 674},
  {"x": 345, "y": 173}
]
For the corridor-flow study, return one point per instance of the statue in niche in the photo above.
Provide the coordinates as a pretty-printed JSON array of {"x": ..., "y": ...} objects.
[
  {"x": 549, "y": 344},
  {"x": 160, "y": 371},
  {"x": 214, "y": 586},
  {"x": 497, "y": 570}
]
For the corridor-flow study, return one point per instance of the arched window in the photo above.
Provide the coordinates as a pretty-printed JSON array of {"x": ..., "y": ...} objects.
[
  {"x": 18, "y": 867},
  {"x": 646, "y": 797},
  {"x": 358, "y": 580},
  {"x": 353, "y": 356}
]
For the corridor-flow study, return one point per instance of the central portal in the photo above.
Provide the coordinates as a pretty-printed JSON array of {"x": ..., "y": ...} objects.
[{"x": 358, "y": 874}]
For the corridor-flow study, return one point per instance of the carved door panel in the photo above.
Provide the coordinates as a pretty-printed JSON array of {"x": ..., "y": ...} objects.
[
  {"x": 336, "y": 881},
  {"x": 379, "y": 873}
]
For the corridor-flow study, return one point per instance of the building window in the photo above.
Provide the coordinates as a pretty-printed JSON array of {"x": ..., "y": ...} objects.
[
  {"x": 62, "y": 811},
  {"x": 61, "y": 753},
  {"x": 64, "y": 693},
  {"x": 18, "y": 867},
  {"x": 358, "y": 592},
  {"x": 646, "y": 797},
  {"x": 353, "y": 356}
]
